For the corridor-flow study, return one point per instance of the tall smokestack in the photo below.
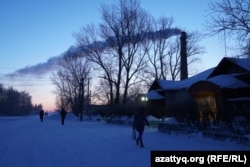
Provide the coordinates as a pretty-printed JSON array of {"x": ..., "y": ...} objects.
[{"x": 184, "y": 70}]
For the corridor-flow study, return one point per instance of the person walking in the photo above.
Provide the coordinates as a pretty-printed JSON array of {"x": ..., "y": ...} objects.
[
  {"x": 41, "y": 115},
  {"x": 63, "y": 115},
  {"x": 138, "y": 124}
]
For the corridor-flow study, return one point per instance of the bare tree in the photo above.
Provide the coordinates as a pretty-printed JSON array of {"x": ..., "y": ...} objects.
[
  {"x": 158, "y": 45},
  {"x": 102, "y": 93},
  {"x": 98, "y": 53},
  {"x": 118, "y": 55},
  {"x": 126, "y": 25},
  {"x": 126, "y": 51},
  {"x": 230, "y": 18},
  {"x": 135, "y": 27},
  {"x": 163, "y": 49},
  {"x": 68, "y": 80},
  {"x": 173, "y": 60}
]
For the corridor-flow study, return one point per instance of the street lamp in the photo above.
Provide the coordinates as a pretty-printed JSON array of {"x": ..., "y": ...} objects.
[{"x": 144, "y": 99}]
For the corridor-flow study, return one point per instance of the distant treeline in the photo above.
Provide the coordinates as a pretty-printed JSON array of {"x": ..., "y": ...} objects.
[{"x": 13, "y": 102}]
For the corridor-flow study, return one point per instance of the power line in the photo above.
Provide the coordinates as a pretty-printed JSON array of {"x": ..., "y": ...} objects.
[
  {"x": 27, "y": 85},
  {"x": 24, "y": 78}
]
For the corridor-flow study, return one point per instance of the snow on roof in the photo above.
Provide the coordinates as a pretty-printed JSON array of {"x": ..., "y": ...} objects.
[
  {"x": 153, "y": 95},
  {"x": 223, "y": 81},
  {"x": 173, "y": 85},
  {"x": 243, "y": 62},
  {"x": 227, "y": 81}
]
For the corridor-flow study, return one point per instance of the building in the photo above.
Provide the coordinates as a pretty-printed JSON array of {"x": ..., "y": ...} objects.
[{"x": 217, "y": 94}]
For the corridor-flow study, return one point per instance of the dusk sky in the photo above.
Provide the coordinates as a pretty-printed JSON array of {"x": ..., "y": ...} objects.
[{"x": 35, "y": 32}]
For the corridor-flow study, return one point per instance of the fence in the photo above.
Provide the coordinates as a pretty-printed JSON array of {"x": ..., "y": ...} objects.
[
  {"x": 175, "y": 129},
  {"x": 223, "y": 134},
  {"x": 216, "y": 133},
  {"x": 234, "y": 135}
]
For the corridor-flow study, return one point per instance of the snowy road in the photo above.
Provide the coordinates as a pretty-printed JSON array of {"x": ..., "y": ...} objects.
[{"x": 26, "y": 142}]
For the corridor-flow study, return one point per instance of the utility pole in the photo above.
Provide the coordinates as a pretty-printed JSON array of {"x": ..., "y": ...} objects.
[{"x": 81, "y": 99}]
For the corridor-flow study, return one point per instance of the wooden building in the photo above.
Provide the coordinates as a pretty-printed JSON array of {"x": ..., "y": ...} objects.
[{"x": 217, "y": 94}]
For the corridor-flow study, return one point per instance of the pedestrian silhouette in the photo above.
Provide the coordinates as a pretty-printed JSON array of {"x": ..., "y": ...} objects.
[
  {"x": 139, "y": 122},
  {"x": 41, "y": 115},
  {"x": 63, "y": 115}
]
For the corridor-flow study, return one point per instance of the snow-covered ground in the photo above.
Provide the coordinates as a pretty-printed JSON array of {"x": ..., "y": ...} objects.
[{"x": 27, "y": 142}]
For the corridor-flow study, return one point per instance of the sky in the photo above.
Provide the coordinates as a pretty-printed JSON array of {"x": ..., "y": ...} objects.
[
  {"x": 29, "y": 142},
  {"x": 35, "y": 33}
]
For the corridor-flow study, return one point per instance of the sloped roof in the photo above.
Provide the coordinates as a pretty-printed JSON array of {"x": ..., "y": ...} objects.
[
  {"x": 228, "y": 81},
  {"x": 223, "y": 80},
  {"x": 172, "y": 85},
  {"x": 231, "y": 65},
  {"x": 154, "y": 95},
  {"x": 243, "y": 62}
]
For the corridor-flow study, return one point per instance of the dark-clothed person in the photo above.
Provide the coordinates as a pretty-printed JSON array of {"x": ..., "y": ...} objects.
[
  {"x": 63, "y": 115},
  {"x": 41, "y": 115},
  {"x": 139, "y": 122}
]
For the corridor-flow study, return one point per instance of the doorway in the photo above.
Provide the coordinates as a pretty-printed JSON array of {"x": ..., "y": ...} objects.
[{"x": 206, "y": 104}]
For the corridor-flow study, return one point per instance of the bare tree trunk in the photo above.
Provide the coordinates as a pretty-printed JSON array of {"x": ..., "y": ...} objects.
[{"x": 68, "y": 80}]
